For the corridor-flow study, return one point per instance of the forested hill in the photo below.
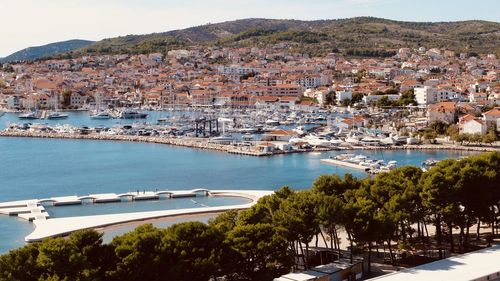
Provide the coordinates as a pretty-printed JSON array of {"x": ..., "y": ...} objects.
[
  {"x": 355, "y": 35},
  {"x": 33, "y": 53}
]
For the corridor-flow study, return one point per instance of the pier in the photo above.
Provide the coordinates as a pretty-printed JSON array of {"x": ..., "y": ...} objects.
[
  {"x": 345, "y": 164},
  {"x": 33, "y": 209}
]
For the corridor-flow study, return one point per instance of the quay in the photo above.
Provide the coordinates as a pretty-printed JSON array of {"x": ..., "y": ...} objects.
[
  {"x": 190, "y": 142},
  {"x": 203, "y": 143},
  {"x": 345, "y": 164},
  {"x": 33, "y": 209}
]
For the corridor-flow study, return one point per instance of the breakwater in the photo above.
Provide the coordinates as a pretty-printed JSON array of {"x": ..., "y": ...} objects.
[
  {"x": 184, "y": 141},
  {"x": 253, "y": 150}
]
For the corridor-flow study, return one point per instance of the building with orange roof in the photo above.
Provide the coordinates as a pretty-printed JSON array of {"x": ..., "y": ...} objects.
[
  {"x": 491, "y": 117},
  {"x": 442, "y": 111},
  {"x": 469, "y": 124}
]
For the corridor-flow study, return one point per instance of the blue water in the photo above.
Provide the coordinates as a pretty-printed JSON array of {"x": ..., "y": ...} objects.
[
  {"x": 39, "y": 168},
  {"x": 142, "y": 206}
]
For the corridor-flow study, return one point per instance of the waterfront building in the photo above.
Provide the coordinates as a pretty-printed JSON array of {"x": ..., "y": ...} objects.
[
  {"x": 443, "y": 111},
  {"x": 469, "y": 124}
]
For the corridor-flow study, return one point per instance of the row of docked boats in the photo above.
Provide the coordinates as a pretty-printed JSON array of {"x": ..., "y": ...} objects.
[
  {"x": 32, "y": 115},
  {"x": 124, "y": 114}
]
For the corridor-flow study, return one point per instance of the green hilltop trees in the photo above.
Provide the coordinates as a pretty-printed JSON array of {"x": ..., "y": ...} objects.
[{"x": 393, "y": 210}]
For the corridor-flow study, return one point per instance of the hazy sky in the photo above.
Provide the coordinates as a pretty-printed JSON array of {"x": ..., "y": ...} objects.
[{"x": 27, "y": 23}]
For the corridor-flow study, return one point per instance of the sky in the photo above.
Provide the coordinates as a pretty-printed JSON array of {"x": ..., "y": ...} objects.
[{"x": 26, "y": 23}]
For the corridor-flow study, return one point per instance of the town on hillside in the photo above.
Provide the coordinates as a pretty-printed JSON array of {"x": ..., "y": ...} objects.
[{"x": 417, "y": 92}]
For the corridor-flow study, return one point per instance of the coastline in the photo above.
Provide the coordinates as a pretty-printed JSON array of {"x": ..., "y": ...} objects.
[{"x": 200, "y": 143}]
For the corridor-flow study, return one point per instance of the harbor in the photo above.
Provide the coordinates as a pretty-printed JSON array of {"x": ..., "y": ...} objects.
[
  {"x": 44, "y": 167},
  {"x": 242, "y": 147}
]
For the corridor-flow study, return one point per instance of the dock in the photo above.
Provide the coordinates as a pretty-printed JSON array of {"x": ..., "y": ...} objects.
[
  {"x": 344, "y": 164},
  {"x": 33, "y": 209}
]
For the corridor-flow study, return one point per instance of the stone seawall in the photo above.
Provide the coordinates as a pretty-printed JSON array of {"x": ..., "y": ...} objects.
[
  {"x": 185, "y": 142},
  {"x": 200, "y": 143}
]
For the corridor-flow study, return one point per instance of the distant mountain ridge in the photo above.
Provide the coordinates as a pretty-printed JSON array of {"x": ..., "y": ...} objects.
[
  {"x": 363, "y": 35},
  {"x": 33, "y": 53}
]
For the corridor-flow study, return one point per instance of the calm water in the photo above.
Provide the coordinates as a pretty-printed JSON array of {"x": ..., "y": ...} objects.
[
  {"x": 39, "y": 168},
  {"x": 142, "y": 206}
]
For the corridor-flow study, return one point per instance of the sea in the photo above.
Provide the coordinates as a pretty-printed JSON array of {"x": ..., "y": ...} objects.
[{"x": 39, "y": 168}]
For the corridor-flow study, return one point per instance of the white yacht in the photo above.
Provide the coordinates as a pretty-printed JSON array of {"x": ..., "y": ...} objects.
[
  {"x": 317, "y": 141},
  {"x": 248, "y": 137},
  {"x": 101, "y": 115},
  {"x": 57, "y": 115},
  {"x": 300, "y": 130},
  {"x": 133, "y": 114},
  {"x": 272, "y": 122},
  {"x": 224, "y": 139},
  {"x": 29, "y": 115}
]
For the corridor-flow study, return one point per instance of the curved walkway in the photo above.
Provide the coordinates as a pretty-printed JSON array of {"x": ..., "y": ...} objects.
[{"x": 62, "y": 226}]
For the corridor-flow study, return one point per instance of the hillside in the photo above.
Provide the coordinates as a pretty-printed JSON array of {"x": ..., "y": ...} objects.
[
  {"x": 33, "y": 53},
  {"x": 358, "y": 36}
]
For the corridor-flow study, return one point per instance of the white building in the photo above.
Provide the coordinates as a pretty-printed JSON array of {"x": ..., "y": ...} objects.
[
  {"x": 310, "y": 82},
  {"x": 342, "y": 95},
  {"x": 13, "y": 102},
  {"x": 472, "y": 125},
  {"x": 494, "y": 99},
  {"x": 429, "y": 95},
  {"x": 477, "y": 97},
  {"x": 77, "y": 99}
]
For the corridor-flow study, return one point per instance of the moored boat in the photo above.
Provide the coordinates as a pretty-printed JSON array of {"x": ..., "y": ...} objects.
[{"x": 57, "y": 115}]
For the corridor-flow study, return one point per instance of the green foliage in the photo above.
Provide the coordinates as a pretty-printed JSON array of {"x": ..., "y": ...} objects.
[
  {"x": 330, "y": 98},
  {"x": 356, "y": 98},
  {"x": 367, "y": 37},
  {"x": 407, "y": 98},
  {"x": 369, "y": 53},
  {"x": 66, "y": 98},
  {"x": 439, "y": 127}
]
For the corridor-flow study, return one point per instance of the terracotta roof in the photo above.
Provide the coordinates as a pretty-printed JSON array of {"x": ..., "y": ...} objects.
[
  {"x": 493, "y": 112},
  {"x": 443, "y": 106}
]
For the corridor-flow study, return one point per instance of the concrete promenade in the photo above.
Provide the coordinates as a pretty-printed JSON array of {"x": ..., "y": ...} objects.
[{"x": 51, "y": 227}]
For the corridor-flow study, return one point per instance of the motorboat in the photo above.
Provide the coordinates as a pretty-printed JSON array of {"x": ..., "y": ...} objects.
[
  {"x": 336, "y": 142},
  {"x": 101, "y": 115},
  {"x": 248, "y": 137},
  {"x": 317, "y": 141},
  {"x": 57, "y": 115},
  {"x": 133, "y": 114},
  {"x": 29, "y": 115},
  {"x": 300, "y": 130},
  {"x": 163, "y": 120},
  {"x": 224, "y": 139},
  {"x": 272, "y": 122}
]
